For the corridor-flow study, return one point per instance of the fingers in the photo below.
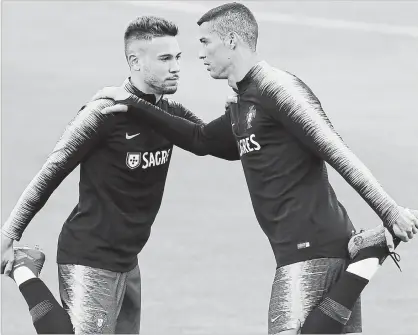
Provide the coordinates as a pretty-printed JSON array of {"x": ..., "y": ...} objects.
[
  {"x": 8, "y": 268},
  {"x": 401, "y": 234},
  {"x": 100, "y": 94},
  {"x": 118, "y": 108},
  {"x": 413, "y": 219},
  {"x": 232, "y": 99},
  {"x": 413, "y": 215},
  {"x": 105, "y": 93},
  {"x": 410, "y": 234}
]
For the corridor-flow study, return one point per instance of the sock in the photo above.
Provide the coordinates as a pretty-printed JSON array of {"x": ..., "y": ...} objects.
[
  {"x": 334, "y": 311},
  {"x": 47, "y": 314},
  {"x": 365, "y": 268},
  {"x": 22, "y": 274}
]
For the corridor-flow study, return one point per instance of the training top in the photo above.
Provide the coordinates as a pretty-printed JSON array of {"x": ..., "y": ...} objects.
[
  {"x": 283, "y": 138},
  {"x": 123, "y": 169}
]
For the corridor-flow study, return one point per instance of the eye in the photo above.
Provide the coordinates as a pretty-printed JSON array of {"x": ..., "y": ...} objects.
[{"x": 178, "y": 57}]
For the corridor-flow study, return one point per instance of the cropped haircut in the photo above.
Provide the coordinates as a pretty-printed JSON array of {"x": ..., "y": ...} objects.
[
  {"x": 233, "y": 17},
  {"x": 148, "y": 27}
]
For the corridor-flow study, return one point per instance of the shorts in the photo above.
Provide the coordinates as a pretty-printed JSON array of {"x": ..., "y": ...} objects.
[
  {"x": 101, "y": 301},
  {"x": 298, "y": 288}
]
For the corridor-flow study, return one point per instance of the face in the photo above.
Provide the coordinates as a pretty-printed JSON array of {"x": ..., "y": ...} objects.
[
  {"x": 157, "y": 62},
  {"x": 215, "y": 52}
]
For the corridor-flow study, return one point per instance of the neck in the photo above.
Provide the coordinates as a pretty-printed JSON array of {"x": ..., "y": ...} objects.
[
  {"x": 143, "y": 87},
  {"x": 241, "y": 65}
]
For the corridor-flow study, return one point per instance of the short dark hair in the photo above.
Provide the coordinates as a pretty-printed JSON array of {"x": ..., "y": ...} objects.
[
  {"x": 233, "y": 17},
  {"x": 148, "y": 27}
]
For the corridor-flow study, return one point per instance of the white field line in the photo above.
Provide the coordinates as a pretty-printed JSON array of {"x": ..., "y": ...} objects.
[{"x": 262, "y": 16}]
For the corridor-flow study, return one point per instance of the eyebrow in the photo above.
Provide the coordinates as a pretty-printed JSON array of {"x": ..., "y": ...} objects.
[{"x": 169, "y": 55}]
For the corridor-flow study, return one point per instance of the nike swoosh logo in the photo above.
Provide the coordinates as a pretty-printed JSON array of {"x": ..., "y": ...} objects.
[
  {"x": 274, "y": 319},
  {"x": 128, "y": 137}
]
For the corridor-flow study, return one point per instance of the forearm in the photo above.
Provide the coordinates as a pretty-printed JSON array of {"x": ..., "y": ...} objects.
[
  {"x": 358, "y": 176},
  {"x": 196, "y": 138},
  {"x": 31, "y": 201},
  {"x": 317, "y": 133},
  {"x": 80, "y": 136}
]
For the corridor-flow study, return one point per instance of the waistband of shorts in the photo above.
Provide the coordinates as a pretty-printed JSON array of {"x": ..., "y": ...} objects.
[{"x": 337, "y": 248}]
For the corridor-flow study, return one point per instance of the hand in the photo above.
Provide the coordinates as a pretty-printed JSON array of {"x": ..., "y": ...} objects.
[
  {"x": 7, "y": 254},
  {"x": 231, "y": 99},
  {"x": 118, "y": 94},
  {"x": 407, "y": 225}
]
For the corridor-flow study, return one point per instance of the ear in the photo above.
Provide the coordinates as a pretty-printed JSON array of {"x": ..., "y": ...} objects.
[
  {"x": 232, "y": 39},
  {"x": 133, "y": 62}
]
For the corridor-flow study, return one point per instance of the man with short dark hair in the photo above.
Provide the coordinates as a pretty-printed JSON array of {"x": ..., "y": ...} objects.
[
  {"x": 123, "y": 170},
  {"x": 284, "y": 139}
]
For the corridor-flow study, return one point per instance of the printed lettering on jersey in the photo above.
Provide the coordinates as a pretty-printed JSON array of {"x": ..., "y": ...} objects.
[
  {"x": 133, "y": 160},
  {"x": 250, "y": 116},
  {"x": 248, "y": 144},
  {"x": 147, "y": 159}
]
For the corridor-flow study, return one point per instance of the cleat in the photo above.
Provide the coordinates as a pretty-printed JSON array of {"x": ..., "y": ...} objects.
[
  {"x": 377, "y": 242},
  {"x": 32, "y": 258}
]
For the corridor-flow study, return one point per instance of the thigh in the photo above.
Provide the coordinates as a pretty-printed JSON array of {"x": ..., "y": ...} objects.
[
  {"x": 92, "y": 297},
  {"x": 129, "y": 318},
  {"x": 298, "y": 288}
]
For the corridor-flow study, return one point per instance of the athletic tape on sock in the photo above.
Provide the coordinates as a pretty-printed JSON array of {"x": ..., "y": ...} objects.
[
  {"x": 335, "y": 310},
  {"x": 40, "y": 310}
]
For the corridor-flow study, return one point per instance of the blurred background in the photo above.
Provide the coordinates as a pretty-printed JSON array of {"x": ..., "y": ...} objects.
[{"x": 208, "y": 267}]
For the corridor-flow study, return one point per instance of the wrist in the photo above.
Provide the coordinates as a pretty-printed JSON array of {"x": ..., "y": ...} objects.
[{"x": 7, "y": 237}]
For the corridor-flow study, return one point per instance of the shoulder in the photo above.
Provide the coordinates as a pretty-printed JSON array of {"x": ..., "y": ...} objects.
[
  {"x": 279, "y": 87},
  {"x": 175, "y": 107},
  {"x": 172, "y": 103},
  {"x": 90, "y": 115}
]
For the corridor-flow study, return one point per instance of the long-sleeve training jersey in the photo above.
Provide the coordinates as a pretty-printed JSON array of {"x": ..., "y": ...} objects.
[
  {"x": 283, "y": 139},
  {"x": 123, "y": 169}
]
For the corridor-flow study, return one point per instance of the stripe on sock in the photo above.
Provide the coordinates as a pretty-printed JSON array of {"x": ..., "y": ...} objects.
[
  {"x": 40, "y": 310},
  {"x": 335, "y": 310}
]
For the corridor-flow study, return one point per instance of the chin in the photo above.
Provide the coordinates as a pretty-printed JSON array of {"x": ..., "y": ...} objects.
[
  {"x": 215, "y": 75},
  {"x": 170, "y": 90}
]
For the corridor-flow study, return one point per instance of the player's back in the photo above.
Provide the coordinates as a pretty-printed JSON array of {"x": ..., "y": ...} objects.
[{"x": 292, "y": 198}]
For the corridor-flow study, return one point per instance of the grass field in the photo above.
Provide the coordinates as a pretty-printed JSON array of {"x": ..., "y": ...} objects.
[{"x": 208, "y": 268}]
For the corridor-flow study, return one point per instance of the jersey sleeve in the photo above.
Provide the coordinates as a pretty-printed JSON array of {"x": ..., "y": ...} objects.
[
  {"x": 187, "y": 131},
  {"x": 80, "y": 136},
  {"x": 294, "y": 105}
]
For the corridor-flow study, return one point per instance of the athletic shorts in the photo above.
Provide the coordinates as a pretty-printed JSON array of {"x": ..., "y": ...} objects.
[
  {"x": 101, "y": 301},
  {"x": 298, "y": 288}
]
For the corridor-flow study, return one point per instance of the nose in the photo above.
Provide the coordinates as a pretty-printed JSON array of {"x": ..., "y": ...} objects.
[
  {"x": 175, "y": 66},
  {"x": 202, "y": 53}
]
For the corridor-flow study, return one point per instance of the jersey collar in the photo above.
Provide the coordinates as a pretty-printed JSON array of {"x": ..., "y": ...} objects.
[
  {"x": 132, "y": 89},
  {"x": 248, "y": 78}
]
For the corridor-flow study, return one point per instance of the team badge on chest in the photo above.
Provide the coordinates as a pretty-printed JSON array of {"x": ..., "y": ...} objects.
[
  {"x": 133, "y": 159},
  {"x": 250, "y": 116}
]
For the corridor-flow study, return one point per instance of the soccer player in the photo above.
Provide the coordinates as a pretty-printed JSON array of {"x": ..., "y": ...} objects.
[
  {"x": 284, "y": 139},
  {"x": 123, "y": 170}
]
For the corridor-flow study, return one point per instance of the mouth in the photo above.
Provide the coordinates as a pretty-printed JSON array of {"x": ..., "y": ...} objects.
[{"x": 173, "y": 78}]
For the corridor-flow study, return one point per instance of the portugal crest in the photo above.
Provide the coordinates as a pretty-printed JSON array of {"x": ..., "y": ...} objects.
[
  {"x": 250, "y": 116},
  {"x": 133, "y": 160}
]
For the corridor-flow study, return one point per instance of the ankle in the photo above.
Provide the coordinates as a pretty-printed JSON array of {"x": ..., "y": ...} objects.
[{"x": 22, "y": 274}]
